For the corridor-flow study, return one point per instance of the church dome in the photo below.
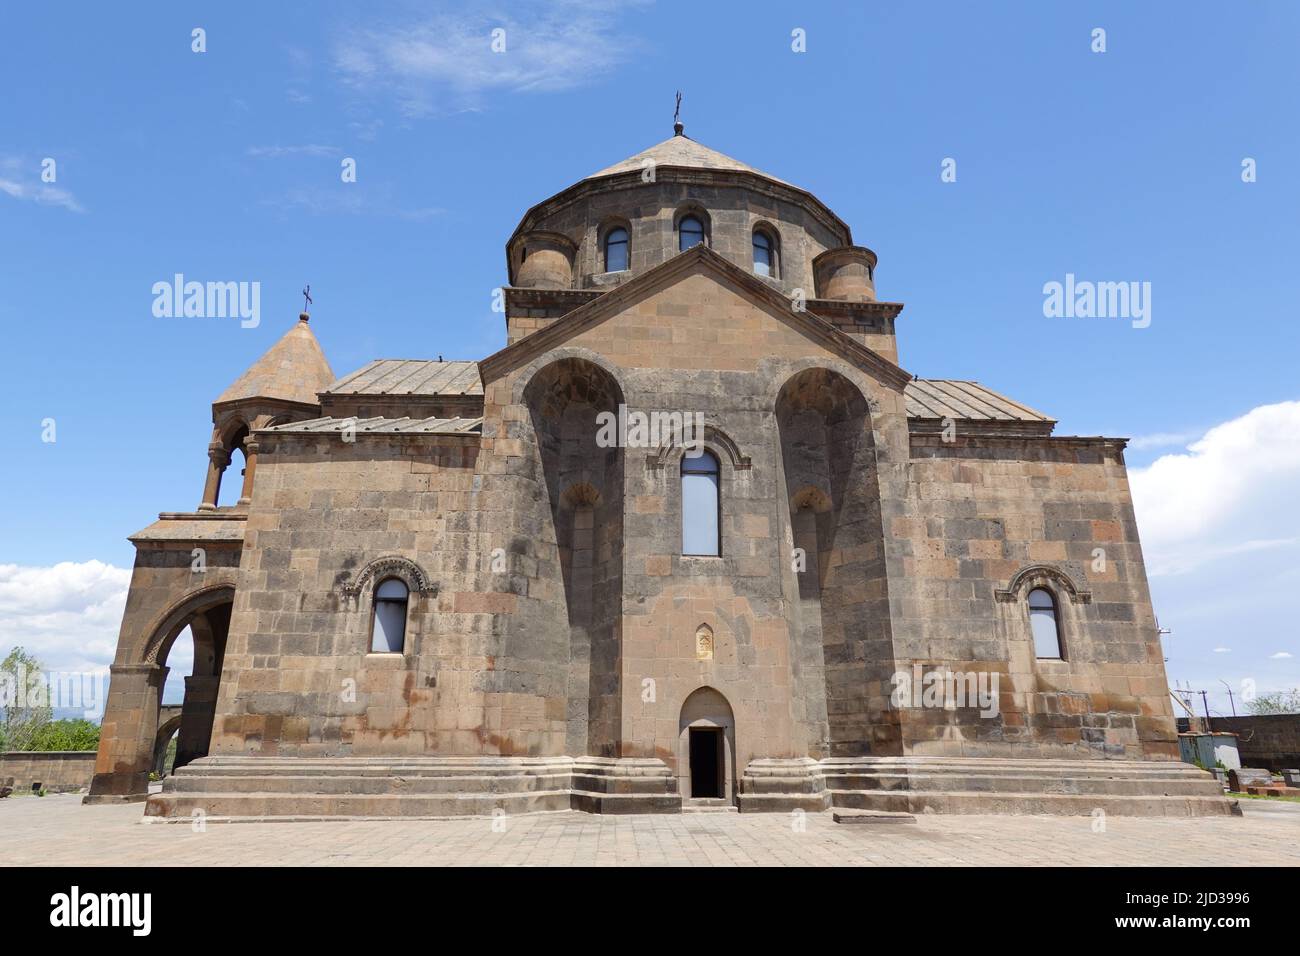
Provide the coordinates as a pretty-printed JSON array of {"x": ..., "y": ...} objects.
[
  {"x": 681, "y": 150},
  {"x": 641, "y": 211}
]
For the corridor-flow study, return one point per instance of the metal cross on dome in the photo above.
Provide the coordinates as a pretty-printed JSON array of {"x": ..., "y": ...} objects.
[{"x": 306, "y": 296}]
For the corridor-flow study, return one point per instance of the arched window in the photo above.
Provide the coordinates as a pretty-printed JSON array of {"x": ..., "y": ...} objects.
[
  {"x": 1045, "y": 624},
  {"x": 616, "y": 250},
  {"x": 389, "y": 632},
  {"x": 764, "y": 253},
  {"x": 701, "y": 504},
  {"x": 690, "y": 232}
]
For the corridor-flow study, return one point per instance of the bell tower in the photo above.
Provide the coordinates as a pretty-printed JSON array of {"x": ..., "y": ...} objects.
[{"x": 279, "y": 387}]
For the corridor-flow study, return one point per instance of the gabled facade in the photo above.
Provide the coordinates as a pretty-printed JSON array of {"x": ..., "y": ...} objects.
[{"x": 812, "y": 579}]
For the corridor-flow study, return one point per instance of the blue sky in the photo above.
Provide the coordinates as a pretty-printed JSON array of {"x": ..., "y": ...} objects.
[{"x": 225, "y": 165}]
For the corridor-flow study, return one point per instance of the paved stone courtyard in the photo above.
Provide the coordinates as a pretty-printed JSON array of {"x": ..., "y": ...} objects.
[{"x": 59, "y": 830}]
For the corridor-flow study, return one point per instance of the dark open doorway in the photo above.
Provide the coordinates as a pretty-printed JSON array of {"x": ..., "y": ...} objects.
[{"x": 706, "y": 763}]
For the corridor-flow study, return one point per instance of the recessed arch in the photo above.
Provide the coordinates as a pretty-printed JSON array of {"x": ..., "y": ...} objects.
[
  {"x": 765, "y": 242},
  {"x": 715, "y": 439},
  {"x": 1038, "y": 575},
  {"x": 692, "y": 226},
  {"x": 528, "y": 376},
  {"x": 614, "y": 245},
  {"x": 567, "y": 402},
  {"x": 397, "y": 566},
  {"x": 167, "y": 625},
  {"x": 810, "y": 497},
  {"x": 838, "y": 583}
]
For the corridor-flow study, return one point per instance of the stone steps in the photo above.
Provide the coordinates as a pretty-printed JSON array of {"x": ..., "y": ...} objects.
[
  {"x": 708, "y": 805},
  {"x": 1057, "y": 804},
  {"x": 1016, "y": 783},
  {"x": 237, "y": 787},
  {"x": 985, "y": 785},
  {"x": 354, "y": 806}
]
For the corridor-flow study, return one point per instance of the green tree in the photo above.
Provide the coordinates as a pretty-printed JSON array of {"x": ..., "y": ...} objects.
[
  {"x": 1278, "y": 702},
  {"x": 66, "y": 735},
  {"x": 24, "y": 700}
]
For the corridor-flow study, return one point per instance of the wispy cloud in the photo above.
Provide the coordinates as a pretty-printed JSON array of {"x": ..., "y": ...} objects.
[
  {"x": 21, "y": 180},
  {"x": 278, "y": 152},
  {"x": 446, "y": 61},
  {"x": 349, "y": 199},
  {"x": 1162, "y": 440}
]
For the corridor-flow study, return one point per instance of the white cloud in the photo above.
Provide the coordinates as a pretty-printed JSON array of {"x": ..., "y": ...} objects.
[
  {"x": 1280, "y": 655},
  {"x": 66, "y": 615},
  {"x": 444, "y": 59},
  {"x": 1230, "y": 494},
  {"x": 1223, "y": 650},
  {"x": 21, "y": 180}
]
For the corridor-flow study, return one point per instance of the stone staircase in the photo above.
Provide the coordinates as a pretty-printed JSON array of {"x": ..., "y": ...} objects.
[
  {"x": 311, "y": 788},
  {"x": 302, "y": 788},
  {"x": 1018, "y": 786},
  {"x": 982, "y": 785}
]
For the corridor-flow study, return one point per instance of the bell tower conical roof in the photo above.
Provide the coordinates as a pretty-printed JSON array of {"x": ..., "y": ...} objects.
[{"x": 294, "y": 369}]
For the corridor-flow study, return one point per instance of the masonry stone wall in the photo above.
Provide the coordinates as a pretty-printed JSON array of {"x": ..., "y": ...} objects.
[
  {"x": 702, "y": 344},
  {"x": 983, "y": 511},
  {"x": 1270, "y": 741},
  {"x": 300, "y": 677},
  {"x": 56, "y": 771}
]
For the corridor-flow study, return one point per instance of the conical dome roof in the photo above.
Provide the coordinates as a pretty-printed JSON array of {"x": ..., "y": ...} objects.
[
  {"x": 292, "y": 370},
  {"x": 681, "y": 150}
]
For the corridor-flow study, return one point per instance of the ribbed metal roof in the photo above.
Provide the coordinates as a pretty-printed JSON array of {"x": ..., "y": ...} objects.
[
  {"x": 410, "y": 377},
  {"x": 949, "y": 398},
  {"x": 439, "y": 426},
  {"x": 925, "y": 397}
]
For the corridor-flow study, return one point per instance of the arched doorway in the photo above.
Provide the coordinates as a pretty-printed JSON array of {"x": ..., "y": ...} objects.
[
  {"x": 128, "y": 754},
  {"x": 706, "y": 747},
  {"x": 169, "y": 724}
]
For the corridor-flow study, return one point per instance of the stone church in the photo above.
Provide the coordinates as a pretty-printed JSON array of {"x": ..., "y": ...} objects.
[{"x": 815, "y": 581}]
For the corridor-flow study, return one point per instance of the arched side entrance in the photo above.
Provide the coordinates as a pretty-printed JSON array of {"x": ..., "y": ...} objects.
[
  {"x": 129, "y": 736},
  {"x": 706, "y": 747},
  {"x": 169, "y": 721}
]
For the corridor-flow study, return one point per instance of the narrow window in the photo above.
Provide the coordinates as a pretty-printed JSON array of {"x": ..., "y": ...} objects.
[
  {"x": 389, "y": 633},
  {"x": 700, "y": 504},
  {"x": 1046, "y": 627},
  {"x": 616, "y": 250},
  {"x": 690, "y": 232},
  {"x": 764, "y": 260}
]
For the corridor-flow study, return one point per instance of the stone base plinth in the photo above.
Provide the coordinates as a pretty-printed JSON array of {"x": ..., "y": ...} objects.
[
  {"x": 228, "y": 787},
  {"x": 995, "y": 786}
]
